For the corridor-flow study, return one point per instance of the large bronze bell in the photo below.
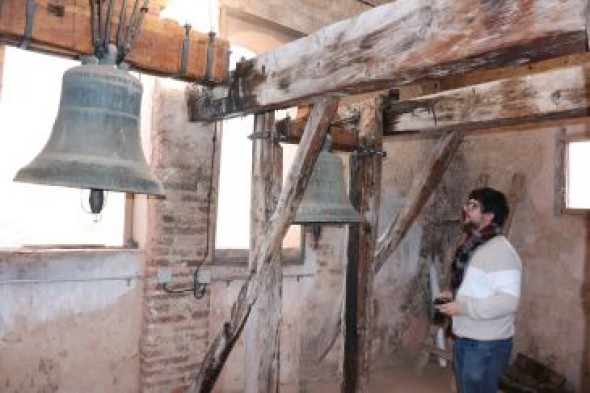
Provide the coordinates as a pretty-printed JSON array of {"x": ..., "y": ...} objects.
[
  {"x": 95, "y": 141},
  {"x": 325, "y": 200}
]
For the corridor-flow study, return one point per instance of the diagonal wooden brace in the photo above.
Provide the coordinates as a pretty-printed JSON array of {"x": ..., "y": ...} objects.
[{"x": 269, "y": 245}]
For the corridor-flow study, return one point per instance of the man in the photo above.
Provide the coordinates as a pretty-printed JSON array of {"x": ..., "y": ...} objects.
[{"x": 486, "y": 283}]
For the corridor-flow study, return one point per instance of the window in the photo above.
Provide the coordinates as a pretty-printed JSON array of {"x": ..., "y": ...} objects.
[
  {"x": 233, "y": 211},
  {"x": 36, "y": 214},
  {"x": 577, "y": 183},
  {"x": 232, "y": 237},
  {"x": 232, "y": 233}
]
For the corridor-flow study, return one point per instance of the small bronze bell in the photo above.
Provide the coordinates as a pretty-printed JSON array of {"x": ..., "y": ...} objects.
[
  {"x": 325, "y": 200},
  {"x": 95, "y": 142}
]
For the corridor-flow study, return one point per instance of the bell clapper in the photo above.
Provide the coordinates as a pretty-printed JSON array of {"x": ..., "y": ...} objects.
[
  {"x": 316, "y": 233},
  {"x": 96, "y": 201}
]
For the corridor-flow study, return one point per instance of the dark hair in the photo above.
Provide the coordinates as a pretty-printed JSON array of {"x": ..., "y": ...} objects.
[{"x": 492, "y": 201}]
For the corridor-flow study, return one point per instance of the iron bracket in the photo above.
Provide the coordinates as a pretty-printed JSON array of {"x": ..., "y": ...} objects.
[
  {"x": 186, "y": 48},
  {"x": 366, "y": 152},
  {"x": 352, "y": 119},
  {"x": 260, "y": 135},
  {"x": 30, "y": 19}
]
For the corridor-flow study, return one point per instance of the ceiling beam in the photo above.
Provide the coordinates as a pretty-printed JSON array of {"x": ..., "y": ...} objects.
[
  {"x": 343, "y": 138},
  {"x": 400, "y": 43},
  {"x": 64, "y": 28},
  {"x": 558, "y": 94}
]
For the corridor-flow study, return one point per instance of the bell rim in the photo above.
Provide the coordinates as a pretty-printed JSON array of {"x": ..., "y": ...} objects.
[{"x": 142, "y": 183}]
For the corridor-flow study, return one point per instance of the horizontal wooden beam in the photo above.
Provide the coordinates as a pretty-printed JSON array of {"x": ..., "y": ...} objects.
[
  {"x": 64, "y": 28},
  {"x": 291, "y": 130},
  {"x": 557, "y": 94},
  {"x": 402, "y": 42}
]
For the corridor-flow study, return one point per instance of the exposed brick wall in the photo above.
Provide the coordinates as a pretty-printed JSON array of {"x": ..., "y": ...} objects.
[{"x": 174, "y": 337}]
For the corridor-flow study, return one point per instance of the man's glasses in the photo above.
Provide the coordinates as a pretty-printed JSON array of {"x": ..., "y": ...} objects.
[{"x": 471, "y": 205}]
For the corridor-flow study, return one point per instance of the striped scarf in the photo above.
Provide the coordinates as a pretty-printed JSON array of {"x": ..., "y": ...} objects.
[{"x": 466, "y": 250}]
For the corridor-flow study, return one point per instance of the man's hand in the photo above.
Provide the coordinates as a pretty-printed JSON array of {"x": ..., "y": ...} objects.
[{"x": 451, "y": 308}]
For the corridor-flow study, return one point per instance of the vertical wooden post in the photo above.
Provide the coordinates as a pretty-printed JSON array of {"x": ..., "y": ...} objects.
[
  {"x": 261, "y": 365},
  {"x": 365, "y": 192}
]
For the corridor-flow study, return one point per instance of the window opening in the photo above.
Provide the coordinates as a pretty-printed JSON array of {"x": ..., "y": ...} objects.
[
  {"x": 577, "y": 193},
  {"x": 232, "y": 234},
  {"x": 38, "y": 214}
]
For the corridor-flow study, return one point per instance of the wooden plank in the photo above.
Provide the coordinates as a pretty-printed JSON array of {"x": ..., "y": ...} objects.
[
  {"x": 262, "y": 362},
  {"x": 291, "y": 130},
  {"x": 64, "y": 27},
  {"x": 421, "y": 189},
  {"x": 561, "y": 143},
  {"x": 268, "y": 245},
  {"x": 403, "y": 42},
  {"x": 557, "y": 94},
  {"x": 365, "y": 192}
]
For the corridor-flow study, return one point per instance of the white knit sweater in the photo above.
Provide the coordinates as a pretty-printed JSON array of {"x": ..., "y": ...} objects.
[{"x": 490, "y": 292}]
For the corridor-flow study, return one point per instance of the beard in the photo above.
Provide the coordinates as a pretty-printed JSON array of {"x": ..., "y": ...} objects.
[{"x": 467, "y": 225}]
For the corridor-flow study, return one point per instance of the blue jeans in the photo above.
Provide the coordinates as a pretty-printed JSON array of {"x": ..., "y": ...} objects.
[{"x": 479, "y": 365}]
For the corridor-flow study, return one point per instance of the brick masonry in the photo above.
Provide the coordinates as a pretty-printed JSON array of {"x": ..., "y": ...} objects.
[{"x": 174, "y": 336}]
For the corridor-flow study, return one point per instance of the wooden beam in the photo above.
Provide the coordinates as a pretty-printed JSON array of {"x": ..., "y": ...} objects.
[
  {"x": 421, "y": 189},
  {"x": 290, "y": 131},
  {"x": 557, "y": 94},
  {"x": 365, "y": 192},
  {"x": 64, "y": 28},
  {"x": 402, "y": 42},
  {"x": 268, "y": 245},
  {"x": 262, "y": 362}
]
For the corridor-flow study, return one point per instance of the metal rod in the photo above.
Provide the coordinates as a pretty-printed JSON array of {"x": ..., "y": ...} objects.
[
  {"x": 134, "y": 30},
  {"x": 65, "y": 279},
  {"x": 108, "y": 24},
  {"x": 120, "y": 32},
  {"x": 93, "y": 27},
  {"x": 100, "y": 41},
  {"x": 210, "y": 57},
  {"x": 130, "y": 27}
]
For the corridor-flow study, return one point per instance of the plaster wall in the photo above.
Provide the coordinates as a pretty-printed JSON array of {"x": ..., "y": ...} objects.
[
  {"x": 70, "y": 321},
  {"x": 305, "y": 16},
  {"x": 553, "y": 246}
]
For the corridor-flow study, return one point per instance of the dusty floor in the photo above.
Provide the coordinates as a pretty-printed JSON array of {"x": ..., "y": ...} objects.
[{"x": 400, "y": 379}]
